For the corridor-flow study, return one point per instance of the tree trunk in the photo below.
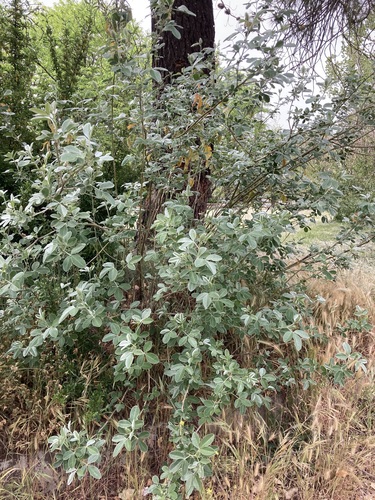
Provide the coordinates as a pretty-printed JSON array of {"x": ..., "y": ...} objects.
[
  {"x": 172, "y": 53},
  {"x": 197, "y": 33}
]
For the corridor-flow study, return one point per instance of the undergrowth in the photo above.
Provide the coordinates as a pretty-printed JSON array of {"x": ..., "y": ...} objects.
[{"x": 311, "y": 444}]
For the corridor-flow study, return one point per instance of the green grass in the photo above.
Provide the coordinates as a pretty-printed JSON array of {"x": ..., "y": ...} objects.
[
  {"x": 326, "y": 232},
  {"x": 319, "y": 232}
]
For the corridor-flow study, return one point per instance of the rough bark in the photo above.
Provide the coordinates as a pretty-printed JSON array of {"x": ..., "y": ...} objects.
[
  {"x": 197, "y": 33},
  {"x": 172, "y": 54}
]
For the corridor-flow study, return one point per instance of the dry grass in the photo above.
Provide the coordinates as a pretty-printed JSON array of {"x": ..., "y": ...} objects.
[
  {"x": 331, "y": 455},
  {"x": 351, "y": 289}
]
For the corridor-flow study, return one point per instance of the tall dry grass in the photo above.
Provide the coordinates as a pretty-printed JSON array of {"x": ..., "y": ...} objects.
[
  {"x": 330, "y": 455},
  {"x": 352, "y": 289}
]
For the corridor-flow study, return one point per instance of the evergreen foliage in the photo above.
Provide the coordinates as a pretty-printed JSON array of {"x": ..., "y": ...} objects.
[{"x": 17, "y": 65}]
